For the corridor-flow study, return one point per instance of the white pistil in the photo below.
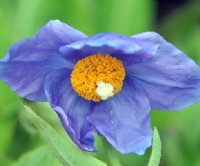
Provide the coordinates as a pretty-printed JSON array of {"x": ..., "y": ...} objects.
[{"x": 104, "y": 90}]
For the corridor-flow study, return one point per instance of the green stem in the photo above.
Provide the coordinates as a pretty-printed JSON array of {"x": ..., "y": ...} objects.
[
  {"x": 65, "y": 151},
  {"x": 114, "y": 161},
  {"x": 156, "y": 149}
]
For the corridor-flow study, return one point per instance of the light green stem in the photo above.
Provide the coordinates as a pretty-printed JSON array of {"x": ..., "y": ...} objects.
[{"x": 156, "y": 149}]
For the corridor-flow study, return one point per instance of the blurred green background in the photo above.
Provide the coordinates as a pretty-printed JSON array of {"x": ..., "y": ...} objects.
[{"x": 178, "y": 21}]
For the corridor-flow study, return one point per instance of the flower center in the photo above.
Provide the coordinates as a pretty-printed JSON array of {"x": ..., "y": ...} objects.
[{"x": 98, "y": 77}]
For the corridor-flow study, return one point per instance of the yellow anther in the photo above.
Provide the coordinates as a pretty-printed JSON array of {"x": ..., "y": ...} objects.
[{"x": 98, "y": 77}]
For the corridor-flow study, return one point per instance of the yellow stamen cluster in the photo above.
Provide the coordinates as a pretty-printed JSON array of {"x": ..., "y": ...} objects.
[{"x": 97, "y": 68}]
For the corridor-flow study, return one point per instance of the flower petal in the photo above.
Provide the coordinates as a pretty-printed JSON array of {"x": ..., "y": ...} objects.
[
  {"x": 170, "y": 79},
  {"x": 124, "y": 120},
  {"x": 127, "y": 49},
  {"x": 56, "y": 34},
  {"x": 27, "y": 78},
  {"x": 28, "y": 61},
  {"x": 49, "y": 38},
  {"x": 71, "y": 108}
]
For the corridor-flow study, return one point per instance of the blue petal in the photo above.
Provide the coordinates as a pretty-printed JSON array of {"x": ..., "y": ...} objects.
[
  {"x": 170, "y": 79},
  {"x": 71, "y": 109},
  {"x": 48, "y": 39},
  {"x": 27, "y": 78},
  {"x": 124, "y": 120},
  {"x": 56, "y": 34},
  {"x": 127, "y": 49},
  {"x": 28, "y": 61}
]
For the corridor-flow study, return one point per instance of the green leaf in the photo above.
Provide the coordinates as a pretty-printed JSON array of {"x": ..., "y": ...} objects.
[
  {"x": 156, "y": 149},
  {"x": 39, "y": 156},
  {"x": 65, "y": 151}
]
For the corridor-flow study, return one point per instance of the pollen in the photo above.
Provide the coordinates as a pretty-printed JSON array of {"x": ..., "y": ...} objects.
[{"x": 98, "y": 77}]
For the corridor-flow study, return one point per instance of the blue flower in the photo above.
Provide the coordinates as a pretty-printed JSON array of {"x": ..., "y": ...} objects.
[{"x": 106, "y": 83}]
